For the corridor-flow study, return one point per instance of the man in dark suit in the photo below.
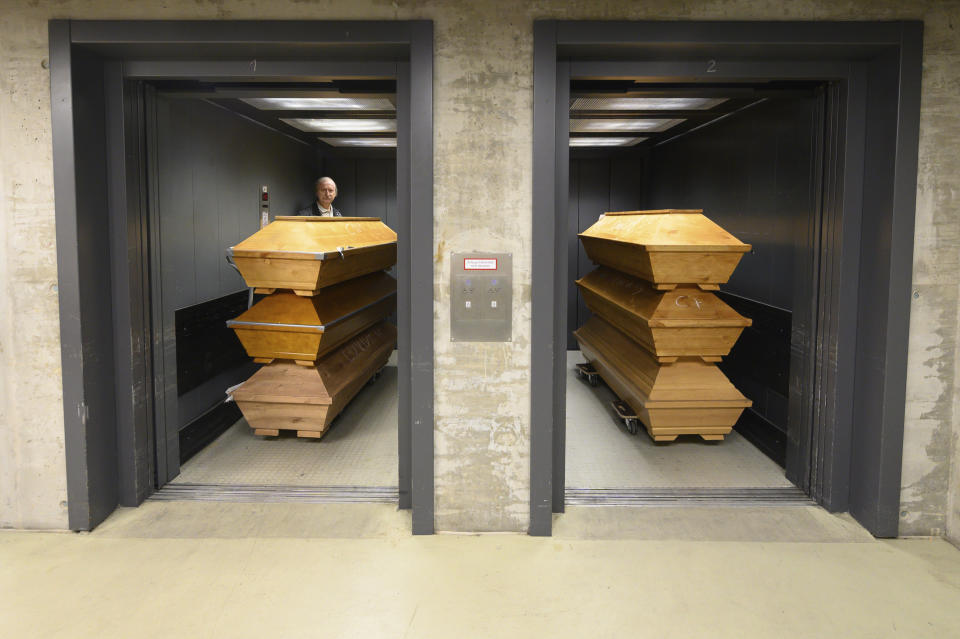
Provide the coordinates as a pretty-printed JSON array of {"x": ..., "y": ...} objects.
[{"x": 323, "y": 206}]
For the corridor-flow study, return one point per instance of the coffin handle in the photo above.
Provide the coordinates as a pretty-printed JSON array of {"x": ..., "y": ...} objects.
[
  {"x": 230, "y": 261},
  {"x": 341, "y": 249},
  {"x": 233, "y": 264},
  {"x": 230, "y": 390}
]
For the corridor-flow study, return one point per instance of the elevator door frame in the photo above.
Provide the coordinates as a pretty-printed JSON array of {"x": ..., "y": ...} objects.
[
  {"x": 103, "y": 241},
  {"x": 849, "y": 455}
]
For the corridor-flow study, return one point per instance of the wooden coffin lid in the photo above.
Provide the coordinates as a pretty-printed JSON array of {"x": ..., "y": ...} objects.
[
  {"x": 289, "y": 383},
  {"x": 676, "y": 230},
  {"x": 688, "y": 383},
  {"x": 315, "y": 238},
  {"x": 680, "y": 308},
  {"x": 313, "y": 314}
]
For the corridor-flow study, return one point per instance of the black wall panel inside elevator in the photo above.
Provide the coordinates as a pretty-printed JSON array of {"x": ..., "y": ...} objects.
[
  {"x": 366, "y": 186},
  {"x": 597, "y": 185},
  {"x": 206, "y": 347},
  {"x": 753, "y": 174}
]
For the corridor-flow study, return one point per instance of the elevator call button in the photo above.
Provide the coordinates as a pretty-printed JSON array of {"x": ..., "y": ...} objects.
[{"x": 481, "y": 295}]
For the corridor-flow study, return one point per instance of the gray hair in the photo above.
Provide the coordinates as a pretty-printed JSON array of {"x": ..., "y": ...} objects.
[{"x": 316, "y": 185}]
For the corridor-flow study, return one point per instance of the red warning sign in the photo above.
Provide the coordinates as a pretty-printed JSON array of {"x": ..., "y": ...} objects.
[{"x": 479, "y": 263}]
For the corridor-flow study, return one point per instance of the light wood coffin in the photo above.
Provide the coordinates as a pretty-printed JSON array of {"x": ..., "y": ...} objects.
[
  {"x": 305, "y": 254},
  {"x": 284, "y": 396},
  {"x": 689, "y": 397},
  {"x": 670, "y": 324},
  {"x": 666, "y": 247},
  {"x": 287, "y": 326}
]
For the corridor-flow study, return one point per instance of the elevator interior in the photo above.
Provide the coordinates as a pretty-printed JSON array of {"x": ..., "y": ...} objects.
[
  {"x": 748, "y": 155},
  {"x": 223, "y": 154}
]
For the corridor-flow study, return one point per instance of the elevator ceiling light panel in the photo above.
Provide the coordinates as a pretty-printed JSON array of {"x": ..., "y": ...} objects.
[
  {"x": 602, "y": 125},
  {"x": 361, "y": 142},
  {"x": 605, "y": 141},
  {"x": 321, "y": 104},
  {"x": 344, "y": 125},
  {"x": 645, "y": 104}
]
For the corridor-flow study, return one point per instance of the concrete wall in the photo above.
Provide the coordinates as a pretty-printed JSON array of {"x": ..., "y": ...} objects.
[{"x": 482, "y": 194}]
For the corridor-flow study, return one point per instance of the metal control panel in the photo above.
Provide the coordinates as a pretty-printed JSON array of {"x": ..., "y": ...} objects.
[
  {"x": 481, "y": 297},
  {"x": 264, "y": 206}
]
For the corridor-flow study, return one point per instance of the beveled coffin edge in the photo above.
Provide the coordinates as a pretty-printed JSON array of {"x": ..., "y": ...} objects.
[
  {"x": 233, "y": 252},
  {"x": 621, "y": 378},
  {"x": 654, "y": 212},
  {"x": 306, "y": 328},
  {"x": 377, "y": 358},
  {"x": 666, "y": 248},
  {"x": 327, "y": 218},
  {"x": 307, "y": 278},
  {"x": 666, "y": 343},
  {"x": 585, "y": 285},
  {"x": 266, "y": 343},
  {"x": 662, "y": 248},
  {"x": 662, "y": 422},
  {"x": 665, "y": 421}
]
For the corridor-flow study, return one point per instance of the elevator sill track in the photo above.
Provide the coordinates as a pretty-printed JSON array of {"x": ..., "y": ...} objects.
[
  {"x": 277, "y": 494},
  {"x": 724, "y": 497}
]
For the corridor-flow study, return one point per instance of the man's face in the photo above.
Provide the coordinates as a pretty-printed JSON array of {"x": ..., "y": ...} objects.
[{"x": 325, "y": 193}]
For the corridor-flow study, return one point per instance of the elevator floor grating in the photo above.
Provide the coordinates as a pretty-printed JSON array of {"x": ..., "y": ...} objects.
[
  {"x": 601, "y": 454},
  {"x": 360, "y": 449}
]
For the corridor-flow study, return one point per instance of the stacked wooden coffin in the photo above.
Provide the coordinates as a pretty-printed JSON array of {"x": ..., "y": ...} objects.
[
  {"x": 657, "y": 331},
  {"x": 321, "y": 330}
]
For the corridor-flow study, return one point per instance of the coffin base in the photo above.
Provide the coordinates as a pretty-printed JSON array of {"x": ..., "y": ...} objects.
[
  {"x": 690, "y": 397},
  {"x": 711, "y": 424},
  {"x": 306, "y": 399}
]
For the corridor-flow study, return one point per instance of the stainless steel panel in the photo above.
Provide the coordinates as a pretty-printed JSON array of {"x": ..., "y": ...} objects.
[{"x": 481, "y": 295}]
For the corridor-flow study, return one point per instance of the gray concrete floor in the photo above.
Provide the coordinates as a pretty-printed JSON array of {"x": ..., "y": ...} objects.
[
  {"x": 601, "y": 454},
  {"x": 292, "y": 570},
  {"x": 360, "y": 449}
]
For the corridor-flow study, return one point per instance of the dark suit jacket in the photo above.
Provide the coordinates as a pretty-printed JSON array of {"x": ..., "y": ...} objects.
[{"x": 314, "y": 209}]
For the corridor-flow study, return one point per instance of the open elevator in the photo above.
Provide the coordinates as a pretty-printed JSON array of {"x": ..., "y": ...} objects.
[
  {"x": 229, "y": 159},
  {"x": 748, "y": 157}
]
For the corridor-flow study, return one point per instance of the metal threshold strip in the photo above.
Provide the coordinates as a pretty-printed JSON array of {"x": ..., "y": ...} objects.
[
  {"x": 790, "y": 496},
  {"x": 276, "y": 494}
]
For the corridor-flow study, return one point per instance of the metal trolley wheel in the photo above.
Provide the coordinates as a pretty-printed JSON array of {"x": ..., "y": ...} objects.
[
  {"x": 625, "y": 413},
  {"x": 588, "y": 372}
]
